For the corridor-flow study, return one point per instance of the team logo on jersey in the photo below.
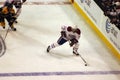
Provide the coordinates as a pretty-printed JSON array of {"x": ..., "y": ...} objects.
[{"x": 108, "y": 26}]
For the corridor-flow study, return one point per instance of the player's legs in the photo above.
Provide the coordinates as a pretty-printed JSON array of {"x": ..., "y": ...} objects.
[
  {"x": 18, "y": 6},
  {"x": 60, "y": 42},
  {"x": 2, "y": 22},
  {"x": 18, "y": 12},
  {"x": 75, "y": 49},
  {"x": 11, "y": 22}
]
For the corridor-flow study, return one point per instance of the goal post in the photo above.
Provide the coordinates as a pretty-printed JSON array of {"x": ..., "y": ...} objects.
[{"x": 2, "y": 46}]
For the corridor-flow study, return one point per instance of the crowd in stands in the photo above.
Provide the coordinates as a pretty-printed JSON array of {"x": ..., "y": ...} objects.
[{"x": 111, "y": 9}]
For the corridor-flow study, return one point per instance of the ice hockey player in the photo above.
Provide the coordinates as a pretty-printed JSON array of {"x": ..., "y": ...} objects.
[
  {"x": 17, "y": 4},
  {"x": 68, "y": 34},
  {"x": 8, "y": 13}
]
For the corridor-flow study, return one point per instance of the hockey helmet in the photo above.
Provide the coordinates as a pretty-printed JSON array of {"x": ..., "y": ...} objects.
[{"x": 69, "y": 28}]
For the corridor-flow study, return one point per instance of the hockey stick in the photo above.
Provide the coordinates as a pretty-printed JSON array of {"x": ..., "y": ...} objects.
[
  {"x": 6, "y": 33},
  {"x": 19, "y": 10},
  {"x": 83, "y": 60},
  {"x": 8, "y": 29}
]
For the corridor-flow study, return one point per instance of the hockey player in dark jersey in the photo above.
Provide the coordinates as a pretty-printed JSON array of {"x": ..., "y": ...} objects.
[
  {"x": 8, "y": 13},
  {"x": 68, "y": 34},
  {"x": 17, "y": 4}
]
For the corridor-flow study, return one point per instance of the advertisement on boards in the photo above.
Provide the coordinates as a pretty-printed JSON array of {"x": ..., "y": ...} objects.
[
  {"x": 96, "y": 15},
  {"x": 92, "y": 10}
]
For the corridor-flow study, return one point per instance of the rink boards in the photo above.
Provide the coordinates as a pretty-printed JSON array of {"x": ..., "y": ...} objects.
[{"x": 112, "y": 44}]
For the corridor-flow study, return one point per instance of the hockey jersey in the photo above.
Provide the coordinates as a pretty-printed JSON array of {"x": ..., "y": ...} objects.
[
  {"x": 5, "y": 11},
  {"x": 69, "y": 34}
]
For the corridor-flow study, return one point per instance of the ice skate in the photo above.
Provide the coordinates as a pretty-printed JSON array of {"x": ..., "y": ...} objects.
[
  {"x": 16, "y": 22},
  {"x": 48, "y": 49},
  {"x": 14, "y": 29},
  {"x": 3, "y": 27},
  {"x": 75, "y": 53}
]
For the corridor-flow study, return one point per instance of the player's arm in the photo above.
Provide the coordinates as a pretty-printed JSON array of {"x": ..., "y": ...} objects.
[
  {"x": 63, "y": 32},
  {"x": 76, "y": 37}
]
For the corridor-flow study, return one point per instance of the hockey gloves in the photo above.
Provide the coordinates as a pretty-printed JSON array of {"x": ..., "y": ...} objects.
[{"x": 73, "y": 41}]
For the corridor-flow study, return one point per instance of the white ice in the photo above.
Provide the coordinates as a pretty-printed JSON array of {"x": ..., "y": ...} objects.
[{"x": 38, "y": 26}]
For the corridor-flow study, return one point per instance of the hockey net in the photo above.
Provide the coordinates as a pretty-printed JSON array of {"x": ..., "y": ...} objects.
[
  {"x": 2, "y": 35},
  {"x": 2, "y": 42}
]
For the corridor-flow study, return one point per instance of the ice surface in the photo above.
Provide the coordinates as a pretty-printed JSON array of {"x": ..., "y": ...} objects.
[{"x": 37, "y": 27}]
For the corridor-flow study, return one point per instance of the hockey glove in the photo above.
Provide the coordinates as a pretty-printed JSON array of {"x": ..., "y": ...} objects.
[
  {"x": 63, "y": 33},
  {"x": 73, "y": 41}
]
